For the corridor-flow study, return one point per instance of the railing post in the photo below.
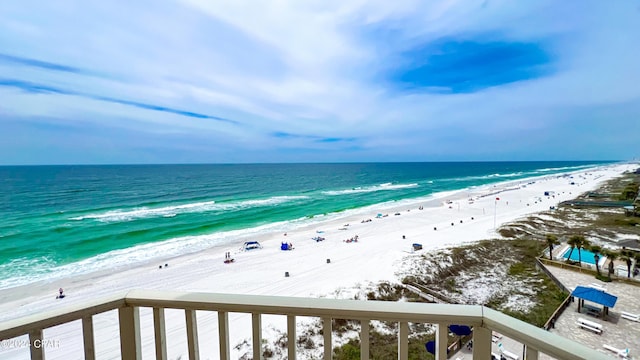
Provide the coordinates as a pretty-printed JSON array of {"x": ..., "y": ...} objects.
[
  {"x": 442, "y": 337},
  {"x": 291, "y": 337},
  {"x": 530, "y": 353},
  {"x": 256, "y": 323},
  {"x": 364, "y": 339},
  {"x": 223, "y": 335},
  {"x": 88, "y": 338},
  {"x": 192, "y": 334},
  {"x": 160, "y": 333},
  {"x": 481, "y": 343},
  {"x": 326, "y": 332},
  {"x": 35, "y": 338},
  {"x": 129, "y": 317},
  {"x": 403, "y": 340}
]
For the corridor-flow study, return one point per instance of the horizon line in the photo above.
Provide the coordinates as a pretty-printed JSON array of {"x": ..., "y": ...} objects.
[{"x": 318, "y": 162}]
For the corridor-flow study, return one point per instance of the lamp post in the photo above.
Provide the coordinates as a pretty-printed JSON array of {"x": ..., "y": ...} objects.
[{"x": 495, "y": 207}]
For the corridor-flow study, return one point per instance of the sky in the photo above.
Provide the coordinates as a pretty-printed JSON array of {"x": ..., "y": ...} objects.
[{"x": 233, "y": 81}]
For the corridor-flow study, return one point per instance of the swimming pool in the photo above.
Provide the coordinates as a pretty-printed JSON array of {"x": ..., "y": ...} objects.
[{"x": 586, "y": 255}]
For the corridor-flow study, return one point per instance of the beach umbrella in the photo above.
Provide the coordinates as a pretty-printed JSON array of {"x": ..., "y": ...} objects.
[
  {"x": 460, "y": 330},
  {"x": 431, "y": 346}
]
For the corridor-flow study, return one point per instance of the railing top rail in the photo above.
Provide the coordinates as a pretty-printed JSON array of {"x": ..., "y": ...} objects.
[
  {"x": 347, "y": 309},
  {"x": 17, "y": 327},
  {"x": 475, "y": 315}
]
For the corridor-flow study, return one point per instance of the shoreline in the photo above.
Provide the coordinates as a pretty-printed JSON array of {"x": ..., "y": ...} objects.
[
  {"x": 382, "y": 244},
  {"x": 99, "y": 263},
  {"x": 430, "y": 202}
]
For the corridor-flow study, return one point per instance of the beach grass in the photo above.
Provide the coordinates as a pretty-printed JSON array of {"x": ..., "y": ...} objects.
[
  {"x": 385, "y": 346},
  {"x": 479, "y": 259},
  {"x": 520, "y": 257}
]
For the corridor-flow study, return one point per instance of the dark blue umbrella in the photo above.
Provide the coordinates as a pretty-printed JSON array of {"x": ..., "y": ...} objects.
[
  {"x": 431, "y": 347},
  {"x": 460, "y": 330}
]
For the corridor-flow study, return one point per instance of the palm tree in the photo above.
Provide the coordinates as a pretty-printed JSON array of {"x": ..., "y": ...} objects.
[
  {"x": 626, "y": 256},
  {"x": 577, "y": 241},
  {"x": 571, "y": 242},
  {"x": 596, "y": 250},
  {"x": 551, "y": 241},
  {"x": 583, "y": 244},
  {"x": 612, "y": 256}
]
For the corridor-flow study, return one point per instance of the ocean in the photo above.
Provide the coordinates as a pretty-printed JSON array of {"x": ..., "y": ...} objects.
[{"x": 58, "y": 221}]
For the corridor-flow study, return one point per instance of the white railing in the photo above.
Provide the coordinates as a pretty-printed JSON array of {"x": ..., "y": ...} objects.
[{"x": 483, "y": 320}]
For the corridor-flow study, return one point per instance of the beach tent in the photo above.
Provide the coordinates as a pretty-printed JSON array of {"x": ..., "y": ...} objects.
[
  {"x": 417, "y": 246},
  {"x": 250, "y": 245}
]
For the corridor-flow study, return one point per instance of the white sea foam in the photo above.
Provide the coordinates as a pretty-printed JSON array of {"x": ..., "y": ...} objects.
[
  {"x": 173, "y": 210},
  {"x": 563, "y": 168},
  {"x": 367, "y": 189},
  {"x": 24, "y": 271},
  {"x": 490, "y": 176}
]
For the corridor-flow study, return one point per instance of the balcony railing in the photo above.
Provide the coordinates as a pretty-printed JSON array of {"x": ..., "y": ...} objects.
[{"x": 483, "y": 320}]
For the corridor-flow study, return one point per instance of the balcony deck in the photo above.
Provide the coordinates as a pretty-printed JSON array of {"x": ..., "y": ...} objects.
[{"x": 139, "y": 339}]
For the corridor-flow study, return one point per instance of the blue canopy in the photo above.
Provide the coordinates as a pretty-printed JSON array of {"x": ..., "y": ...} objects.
[{"x": 595, "y": 295}]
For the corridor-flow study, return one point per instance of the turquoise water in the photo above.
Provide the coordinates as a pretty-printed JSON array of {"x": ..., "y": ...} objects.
[
  {"x": 64, "y": 220},
  {"x": 586, "y": 256}
]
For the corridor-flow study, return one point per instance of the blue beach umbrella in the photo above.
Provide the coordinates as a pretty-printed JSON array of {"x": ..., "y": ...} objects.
[
  {"x": 431, "y": 347},
  {"x": 460, "y": 330}
]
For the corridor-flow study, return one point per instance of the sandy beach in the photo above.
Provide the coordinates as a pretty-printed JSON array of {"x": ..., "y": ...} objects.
[{"x": 435, "y": 223}]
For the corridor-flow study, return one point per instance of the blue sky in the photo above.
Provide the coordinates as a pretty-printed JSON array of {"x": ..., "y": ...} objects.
[{"x": 199, "y": 81}]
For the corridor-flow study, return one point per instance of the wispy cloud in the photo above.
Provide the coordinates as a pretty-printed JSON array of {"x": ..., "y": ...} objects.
[
  {"x": 325, "y": 81},
  {"x": 313, "y": 138},
  {"x": 44, "y": 89},
  {"x": 5, "y": 58}
]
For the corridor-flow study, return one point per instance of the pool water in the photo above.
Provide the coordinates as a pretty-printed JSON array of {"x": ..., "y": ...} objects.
[{"x": 586, "y": 256}]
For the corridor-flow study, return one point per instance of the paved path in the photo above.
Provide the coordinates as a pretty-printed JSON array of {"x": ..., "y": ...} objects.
[{"x": 617, "y": 331}]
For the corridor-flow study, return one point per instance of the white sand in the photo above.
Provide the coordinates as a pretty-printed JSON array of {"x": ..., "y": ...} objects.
[{"x": 374, "y": 257}]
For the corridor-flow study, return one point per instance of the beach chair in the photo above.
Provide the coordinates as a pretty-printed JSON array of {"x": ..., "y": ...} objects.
[
  {"x": 623, "y": 353},
  {"x": 597, "y": 287},
  {"x": 590, "y": 325},
  {"x": 495, "y": 337},
  {"x": 630, "y": 316},
  {"x": 507, "y": 354}
]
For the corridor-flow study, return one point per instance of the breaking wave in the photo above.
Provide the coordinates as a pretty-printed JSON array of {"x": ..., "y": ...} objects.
[{"x": 122, "y": 215}]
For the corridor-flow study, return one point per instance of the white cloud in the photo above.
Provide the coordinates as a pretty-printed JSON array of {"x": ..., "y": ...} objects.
[{"x": 314, "y": 68}]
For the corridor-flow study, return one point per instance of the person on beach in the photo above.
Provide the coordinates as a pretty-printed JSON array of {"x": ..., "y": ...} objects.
[{"x": 61, "y": 295}]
